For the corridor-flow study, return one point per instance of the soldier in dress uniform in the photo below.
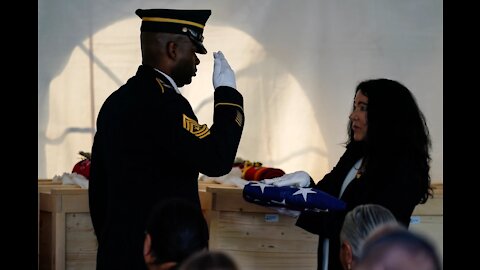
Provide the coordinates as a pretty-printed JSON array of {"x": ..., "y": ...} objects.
[{"x": 149, "y": 146}]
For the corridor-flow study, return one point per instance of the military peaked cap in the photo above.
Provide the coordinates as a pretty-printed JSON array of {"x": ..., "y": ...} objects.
[{"x": 176, "y": 21}]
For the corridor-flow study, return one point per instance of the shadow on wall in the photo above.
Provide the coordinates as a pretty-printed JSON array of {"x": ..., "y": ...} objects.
[{"x": 82, "y": 26}]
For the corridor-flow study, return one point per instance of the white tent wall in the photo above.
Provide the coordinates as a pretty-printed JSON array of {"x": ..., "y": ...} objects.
[{"x": 297, "y": 64}]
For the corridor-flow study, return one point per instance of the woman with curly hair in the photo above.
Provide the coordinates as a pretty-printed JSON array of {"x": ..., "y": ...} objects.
[{"x": 386, "y": 162}]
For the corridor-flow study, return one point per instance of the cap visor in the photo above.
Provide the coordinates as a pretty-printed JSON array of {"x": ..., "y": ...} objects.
[{"x": 200, "y": 48}]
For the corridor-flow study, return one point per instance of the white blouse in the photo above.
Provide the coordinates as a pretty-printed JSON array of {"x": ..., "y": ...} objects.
[{"x": 350, "y": 176}]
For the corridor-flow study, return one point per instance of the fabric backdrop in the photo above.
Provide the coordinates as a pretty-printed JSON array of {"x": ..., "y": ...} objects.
[{"x": 297, "y": 64}]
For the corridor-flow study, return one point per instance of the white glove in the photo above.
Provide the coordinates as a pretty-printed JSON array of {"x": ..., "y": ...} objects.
[
  {"x": 298, "y": 179},
  {"x": 223, "y": 74}
]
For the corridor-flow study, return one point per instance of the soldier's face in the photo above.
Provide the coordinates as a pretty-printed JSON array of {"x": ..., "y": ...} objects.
[{"x": 186, "y": 63}]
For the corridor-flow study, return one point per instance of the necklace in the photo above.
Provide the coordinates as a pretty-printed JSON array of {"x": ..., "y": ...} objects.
[{"x": 360, "y": 170}]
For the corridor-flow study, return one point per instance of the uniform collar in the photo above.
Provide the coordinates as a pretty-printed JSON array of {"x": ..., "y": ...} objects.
[{"x": 172, "y": 82}]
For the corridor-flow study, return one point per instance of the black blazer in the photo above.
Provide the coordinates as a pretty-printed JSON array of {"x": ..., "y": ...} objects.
[
  {"x": 149, "y": 147},
  {"x": 398, "y": 190}
]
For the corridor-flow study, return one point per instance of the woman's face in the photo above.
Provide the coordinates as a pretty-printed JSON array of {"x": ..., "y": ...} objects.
[{"x": 359, "y": 116}]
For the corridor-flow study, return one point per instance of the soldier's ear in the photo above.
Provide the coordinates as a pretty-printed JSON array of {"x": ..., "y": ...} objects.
[{"x": 172, "y": 48}]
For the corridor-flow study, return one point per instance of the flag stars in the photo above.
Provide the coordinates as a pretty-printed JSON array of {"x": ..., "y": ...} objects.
[
  {"x": 304, "y": 192},
  {"x": 261, "y": 185},
  {"x": 288, "y": 198}
]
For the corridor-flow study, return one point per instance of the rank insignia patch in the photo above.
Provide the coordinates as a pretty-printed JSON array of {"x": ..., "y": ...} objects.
[
  {"x": 201, "y": 131},
  {"x": 239, "y": 119}
]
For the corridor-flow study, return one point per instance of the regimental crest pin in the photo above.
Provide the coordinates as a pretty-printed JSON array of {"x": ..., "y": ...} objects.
[
  {"x": 162, "y": 85},
  {"x": 201, "y": 131}
]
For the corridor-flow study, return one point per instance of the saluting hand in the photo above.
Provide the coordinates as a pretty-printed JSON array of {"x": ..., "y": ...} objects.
[{"x": 223, "y": 74}]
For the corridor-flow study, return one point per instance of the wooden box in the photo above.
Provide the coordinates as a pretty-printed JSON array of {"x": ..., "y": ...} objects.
[
  {"x": 66, "y": 237},
  {"x": 65, "y": 230},
  {"x": 258, "y": 237},
  {"x": 427, "y": 219}
]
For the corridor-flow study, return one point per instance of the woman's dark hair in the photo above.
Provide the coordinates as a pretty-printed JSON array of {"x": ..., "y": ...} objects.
[{"x": 397, "y": 133}]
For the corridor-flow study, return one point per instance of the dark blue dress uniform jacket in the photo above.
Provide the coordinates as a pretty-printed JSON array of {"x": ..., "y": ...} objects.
[
  {"x": 397, "y": 189},
  {"x": 149, "y": 147}
]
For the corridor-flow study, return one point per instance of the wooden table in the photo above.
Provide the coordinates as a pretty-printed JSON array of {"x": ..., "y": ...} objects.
[
  {"x": 256, "y": 237},
  {"x": 427, "y": 218},
  {"x": 65, "y": 230},
  {"x": 260, "y": 238},
  {"x": 66, "y": 237}
]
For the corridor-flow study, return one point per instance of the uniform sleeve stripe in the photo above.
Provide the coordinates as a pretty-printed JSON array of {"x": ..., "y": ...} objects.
[
  {"x": 239, "y": 119},
  {"x": 229, "y": 104}
]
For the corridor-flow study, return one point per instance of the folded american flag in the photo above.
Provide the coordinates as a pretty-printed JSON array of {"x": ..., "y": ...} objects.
[{"x": 291, "y": 197}]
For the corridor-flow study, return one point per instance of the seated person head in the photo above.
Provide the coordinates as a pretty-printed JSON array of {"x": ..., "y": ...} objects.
[
  {"x": 398, "y": 248},
  {"x": 358, "y": 223},
  {"x": 209, "y": 260},
  {"x": 175, "y": 230}
]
